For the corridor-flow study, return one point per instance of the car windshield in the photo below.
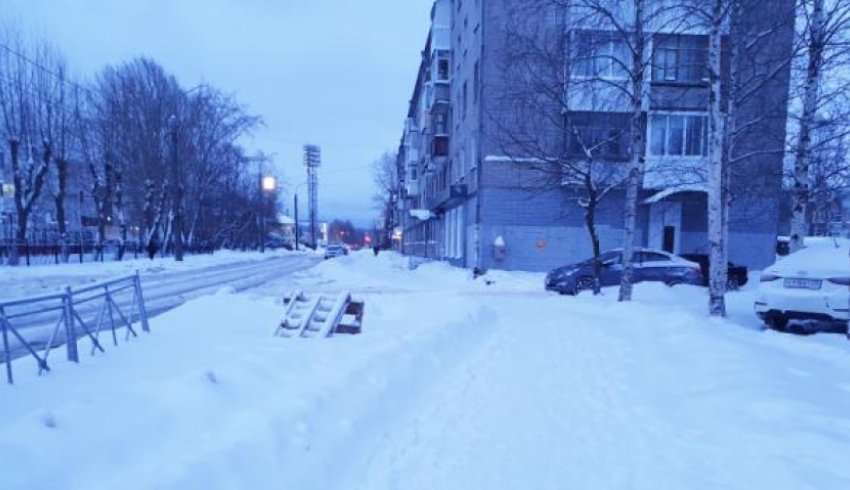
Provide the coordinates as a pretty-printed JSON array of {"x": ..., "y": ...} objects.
[{"x": 610, "y": 257}]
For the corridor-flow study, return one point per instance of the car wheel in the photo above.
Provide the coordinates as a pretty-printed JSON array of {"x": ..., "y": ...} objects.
[
  {"x": 585, "y": 283},
  {"x": 778, "y": 323}
]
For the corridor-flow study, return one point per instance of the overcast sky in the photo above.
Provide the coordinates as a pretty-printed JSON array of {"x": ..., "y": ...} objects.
[{"x": 337, "y": 73}]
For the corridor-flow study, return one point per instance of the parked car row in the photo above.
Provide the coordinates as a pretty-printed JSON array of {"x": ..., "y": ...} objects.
[{"x": 812, "y": 284}]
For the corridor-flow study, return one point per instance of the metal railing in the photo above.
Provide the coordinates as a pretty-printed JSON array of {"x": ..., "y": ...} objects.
[{"x": 32, "y": 326}]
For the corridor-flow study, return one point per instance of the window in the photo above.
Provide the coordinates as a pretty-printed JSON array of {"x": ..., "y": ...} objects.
[
  {"x": 651, "y": 257},
  {"x": 599, "y": 141},
  {"x": 611, "y": 257},
  {"x": 441, "y": 124},
  {"x": 605, "y": 135},
  {"x": 680, "y": 58},
  {"x": 600, "y": 55},
  {"x": 441, "y": 146},
  {"x": 680, "y": 135},
  {"x": 443, "y": 69}
]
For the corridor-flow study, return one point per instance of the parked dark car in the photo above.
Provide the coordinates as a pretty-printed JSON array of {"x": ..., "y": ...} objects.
[
  {"x": 650, "y": 265},
  {"x": 738, "y": 275}
]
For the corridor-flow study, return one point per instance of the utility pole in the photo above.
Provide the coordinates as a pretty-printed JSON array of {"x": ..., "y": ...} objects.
[
  {"x": 261, "y": 221},
  {"x": 177, "y": 195},
  {"x": 296, "y": 219}
]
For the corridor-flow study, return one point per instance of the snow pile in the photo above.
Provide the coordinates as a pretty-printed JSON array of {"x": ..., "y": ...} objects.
[
  {"x": 454, "y": 383},
  {"x": 389, "y": 271}
]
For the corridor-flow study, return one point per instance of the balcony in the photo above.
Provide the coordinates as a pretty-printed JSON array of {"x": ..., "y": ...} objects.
[
  {"x": 448, "y": 198},
  {"x": 440, "y": 146},
  {"x": 442, "y": 93}
]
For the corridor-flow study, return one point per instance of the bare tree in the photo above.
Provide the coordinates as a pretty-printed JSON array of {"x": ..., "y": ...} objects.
[
  {"x": 21, "y": 112},
  {"x": 143, "y": 143},
  {"x": 824, "y": 38},
  {"x": 385, "y": 179},
  {"x": 748, "y": 62},
  {"x": 607, "y": 54}
]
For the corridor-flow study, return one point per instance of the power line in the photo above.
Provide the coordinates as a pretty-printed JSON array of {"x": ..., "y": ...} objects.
[{"x": 45, "y": 69}]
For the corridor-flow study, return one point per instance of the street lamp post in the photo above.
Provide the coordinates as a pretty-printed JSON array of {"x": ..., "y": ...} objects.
[
  {"x": 295, "y": 197},
  {"x": 268, "y": 185}
]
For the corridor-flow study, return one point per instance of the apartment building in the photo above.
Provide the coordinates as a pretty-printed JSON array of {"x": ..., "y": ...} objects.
[{"x": 476, "y": 183}]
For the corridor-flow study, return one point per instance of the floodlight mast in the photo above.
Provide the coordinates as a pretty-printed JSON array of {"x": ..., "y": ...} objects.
[{"x": 313, "y": 160}]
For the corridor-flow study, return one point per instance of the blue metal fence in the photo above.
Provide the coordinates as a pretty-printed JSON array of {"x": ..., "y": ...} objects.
[{"x": 35, "y": 326}]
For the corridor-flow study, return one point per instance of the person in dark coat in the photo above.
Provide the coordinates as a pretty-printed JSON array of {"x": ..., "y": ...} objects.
[{"x": 152, "y": 249}]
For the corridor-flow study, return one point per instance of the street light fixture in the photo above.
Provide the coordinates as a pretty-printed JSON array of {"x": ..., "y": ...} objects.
[
  {"x": 268, "y": 186},
  {"x": 269, "y": 183}
]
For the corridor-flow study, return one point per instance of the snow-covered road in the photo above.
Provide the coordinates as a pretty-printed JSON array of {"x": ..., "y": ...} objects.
[{"x": 453, "y": 384}]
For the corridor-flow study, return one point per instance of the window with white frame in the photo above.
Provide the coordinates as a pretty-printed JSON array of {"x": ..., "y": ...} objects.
[
  {"x": 678, "y": 135},
  {"x": 599, "y": 54}
]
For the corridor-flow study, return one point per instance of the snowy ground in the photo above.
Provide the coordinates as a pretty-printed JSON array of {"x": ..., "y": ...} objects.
[
  {"x": 453, "y": 384},
  {"x": 24, "y": 281}
]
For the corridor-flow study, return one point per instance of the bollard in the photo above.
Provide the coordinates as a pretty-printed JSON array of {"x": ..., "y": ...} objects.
[{"x": 70, "y": 330}]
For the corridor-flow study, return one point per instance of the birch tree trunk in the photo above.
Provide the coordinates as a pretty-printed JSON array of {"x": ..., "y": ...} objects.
[
  {"x": 716, "y": 173},
  {"x": 638, "y": 157},
  {"x": 803, "y": 153},
  {"x": 59, "y": 201}
]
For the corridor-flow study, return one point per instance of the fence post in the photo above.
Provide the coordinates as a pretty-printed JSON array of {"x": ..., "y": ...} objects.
[
  {"x": 7, "y": 356},
  {"x": 143, "y": 312},
  {"x": 70, "y": 330}
]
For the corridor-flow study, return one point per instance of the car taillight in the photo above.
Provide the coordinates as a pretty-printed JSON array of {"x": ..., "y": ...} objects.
[
  {"x": 841, "y": 281},
  {"x": 769, "y": 277}
]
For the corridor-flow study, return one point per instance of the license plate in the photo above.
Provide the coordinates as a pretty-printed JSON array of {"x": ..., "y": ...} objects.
[{"x": 795, "y": 283}]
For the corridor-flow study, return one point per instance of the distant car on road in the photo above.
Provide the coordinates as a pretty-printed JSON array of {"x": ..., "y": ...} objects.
[
  {"x": 737, "y": 275},
  {"x": 649, "y": 264},
  {"x": 812, "y": 284},
  {"x": 335, "y": 250}
]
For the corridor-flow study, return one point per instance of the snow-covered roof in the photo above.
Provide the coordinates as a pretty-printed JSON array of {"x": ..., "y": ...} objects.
[
  {"x": 661, "y": 195},
  {"x": 421, "y": 214},
  {"x": 285, "y": 220}
]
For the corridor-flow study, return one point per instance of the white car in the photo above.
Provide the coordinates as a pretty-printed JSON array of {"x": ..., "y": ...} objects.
[{"x": 811, "y": 284}]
